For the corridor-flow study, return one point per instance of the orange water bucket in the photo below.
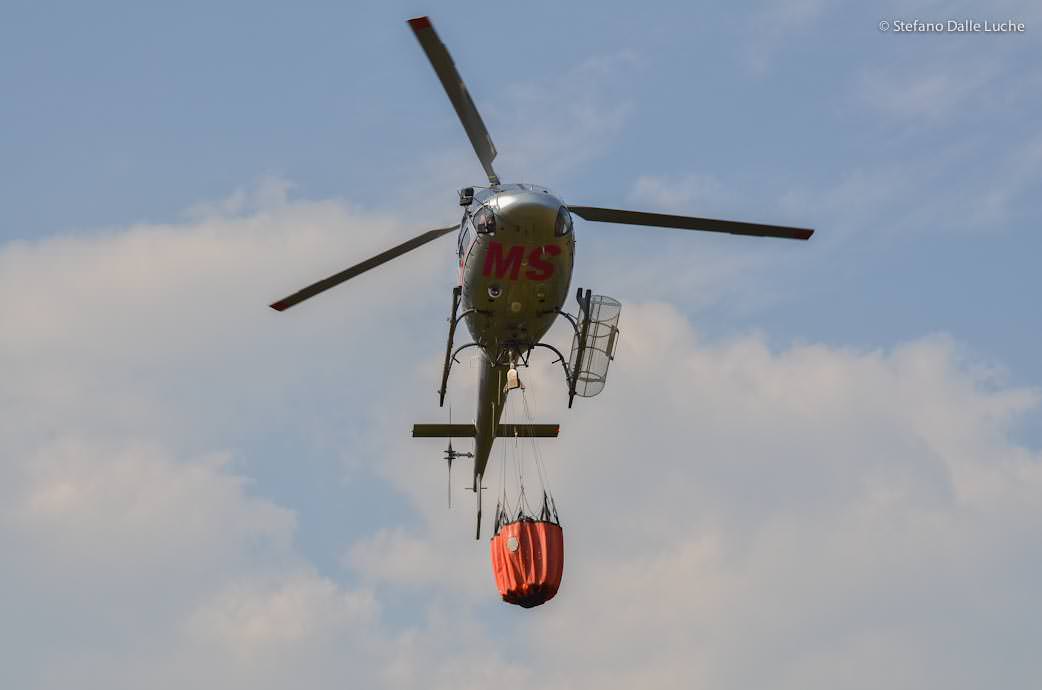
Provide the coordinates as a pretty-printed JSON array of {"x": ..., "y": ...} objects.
[{"x": 528, "y": 561}]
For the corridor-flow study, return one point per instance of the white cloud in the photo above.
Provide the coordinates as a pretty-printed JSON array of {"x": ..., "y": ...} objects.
[
  {"x": 776, "y": 24},
  {"x": 91, "y": 503},
  {"x": 677, "y": 194},
  {"x": 842, "y": 517},
  {"x": 268, "y": 193},
  {"x": 251, "y": 619},
  {"x": 831, "y": 513},
  {"x": 929, "y": 94},
  {"x": 137, "y": 360},
  {"x": 543, "y": 132},
  {"x": 551, "y": 128}
]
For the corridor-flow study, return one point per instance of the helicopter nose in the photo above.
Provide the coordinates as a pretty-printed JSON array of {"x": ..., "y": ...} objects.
[{"x": 531, "y": 212}]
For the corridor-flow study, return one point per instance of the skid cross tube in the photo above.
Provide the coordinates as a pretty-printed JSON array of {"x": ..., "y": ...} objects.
[
  {"x": 460, "y": 349},
  {"x": 562, "y": 360},
  {"x": 571, "y": 319}
]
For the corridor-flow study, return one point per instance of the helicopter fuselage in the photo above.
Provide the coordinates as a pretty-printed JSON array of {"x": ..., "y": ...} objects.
[{"x": 516, "y": 253}]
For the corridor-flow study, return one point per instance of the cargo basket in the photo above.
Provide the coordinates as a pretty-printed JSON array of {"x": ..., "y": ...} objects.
[{"x": 601, "y": 339}]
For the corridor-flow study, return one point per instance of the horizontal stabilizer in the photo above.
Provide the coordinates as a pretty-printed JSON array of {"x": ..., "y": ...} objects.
[
  {"x": 467, "y": 430},
  {"x": 443, "y": 430},
  {"x": 528, "y": 430}
]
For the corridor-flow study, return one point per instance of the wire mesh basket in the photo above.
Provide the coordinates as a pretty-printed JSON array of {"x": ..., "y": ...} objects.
[{"x": 601, "y": 340}]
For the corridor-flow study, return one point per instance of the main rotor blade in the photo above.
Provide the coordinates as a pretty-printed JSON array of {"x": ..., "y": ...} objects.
[
  {"x": 381, "y": 258},
  {"x": 456, "y": 90},
  {"x": 663, "y": 220}
]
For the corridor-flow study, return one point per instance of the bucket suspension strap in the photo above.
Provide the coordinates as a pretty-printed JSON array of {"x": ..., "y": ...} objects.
[
  {"x": 549, "y": 510},
  {"x": 523, "y": 454}
]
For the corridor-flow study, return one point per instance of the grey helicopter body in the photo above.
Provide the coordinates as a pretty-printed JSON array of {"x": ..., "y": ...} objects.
[{"x": 516, "y": 254}]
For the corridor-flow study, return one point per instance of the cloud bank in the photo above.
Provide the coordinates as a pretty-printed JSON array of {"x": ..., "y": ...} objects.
[{"x": 736, "y": 515}]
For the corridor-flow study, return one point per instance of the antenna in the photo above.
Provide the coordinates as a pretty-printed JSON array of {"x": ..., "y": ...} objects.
[{"x": 451, "y": 455}]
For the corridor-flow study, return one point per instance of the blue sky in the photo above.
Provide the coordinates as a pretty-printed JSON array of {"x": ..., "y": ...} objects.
[
  {"x": 872, "y": 394},
  {"x": 907, "y": 151}
]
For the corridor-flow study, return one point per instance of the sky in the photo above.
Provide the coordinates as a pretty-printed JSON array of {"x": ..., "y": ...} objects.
[{"x": 814, "y": 465}]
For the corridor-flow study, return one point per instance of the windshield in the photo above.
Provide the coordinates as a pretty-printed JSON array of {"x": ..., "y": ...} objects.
[{"x": 464, "y": 235}]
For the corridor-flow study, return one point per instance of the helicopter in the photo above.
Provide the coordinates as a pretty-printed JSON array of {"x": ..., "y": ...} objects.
[{"x": 516, "y": 252}]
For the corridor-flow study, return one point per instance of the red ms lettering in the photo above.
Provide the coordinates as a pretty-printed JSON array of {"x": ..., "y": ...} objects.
[
  {"x": 538, "y": 268},
  {"x": 507, "y": 264},
  {"x": 499, "y": 265}
]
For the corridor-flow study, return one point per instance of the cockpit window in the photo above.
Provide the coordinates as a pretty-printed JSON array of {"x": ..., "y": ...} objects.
[
  {"x": 464, "y": 235},
  {"x": 485, "y": 221},
  {"x": 564, "y": 222}
]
